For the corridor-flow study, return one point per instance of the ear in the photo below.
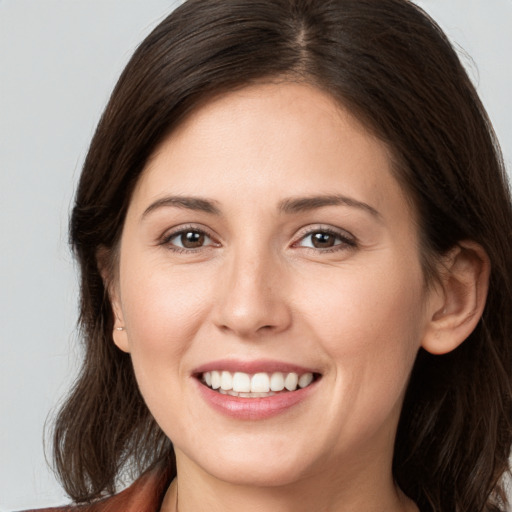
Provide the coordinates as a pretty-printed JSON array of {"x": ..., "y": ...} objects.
[
  {"x": 459, "y": 299},
  {"x": 106, "y": 266}
]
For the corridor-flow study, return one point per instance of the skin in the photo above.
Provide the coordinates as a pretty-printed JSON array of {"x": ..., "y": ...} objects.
[{"x": 258, "y": 288}]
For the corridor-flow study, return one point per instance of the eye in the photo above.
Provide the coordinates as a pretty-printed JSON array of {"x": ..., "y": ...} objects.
[
  {"x": 188, "y": 239},
  {"x": 326, "y": 239}
]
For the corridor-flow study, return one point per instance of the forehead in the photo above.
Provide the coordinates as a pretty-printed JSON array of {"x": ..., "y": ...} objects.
[{"x": 269, "y": 141}]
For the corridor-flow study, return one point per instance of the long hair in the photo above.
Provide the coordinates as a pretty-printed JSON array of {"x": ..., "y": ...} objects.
[{"x": 392, "y": 67}]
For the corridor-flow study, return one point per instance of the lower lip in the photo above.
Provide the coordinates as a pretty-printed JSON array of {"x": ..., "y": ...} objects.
[{"x": 254, "y": 408}]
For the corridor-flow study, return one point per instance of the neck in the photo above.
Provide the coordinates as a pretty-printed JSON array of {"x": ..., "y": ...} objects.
[{"x": 195, "y": 490}]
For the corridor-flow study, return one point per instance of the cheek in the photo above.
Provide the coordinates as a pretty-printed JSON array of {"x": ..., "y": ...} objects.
[
  {"x": 163, "y": 310},
  {"x": 384, "y": 302},
  {"x": 370, "y": 325}
]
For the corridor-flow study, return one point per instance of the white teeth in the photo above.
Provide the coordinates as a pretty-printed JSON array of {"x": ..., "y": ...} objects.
[
  {"x": 260, "y": 384},
  {"x": 290, "y": 383},
  {"x": 241, "y": 382},
  {"x": 277, "y": 381},
  {"x": 254, "y": 395},
  {"x": 215, "y": 379},
  {"x": 305, "y": 380},
  {"x": 226, "y": 381}
]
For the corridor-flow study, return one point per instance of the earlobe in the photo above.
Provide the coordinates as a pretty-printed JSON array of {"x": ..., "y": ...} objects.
[
  {"x": 459, "y": 298},
  {"x": 105, "y": 267},
  {"x": 120, "y": 338},
  {"x": 119, "y": 334}
]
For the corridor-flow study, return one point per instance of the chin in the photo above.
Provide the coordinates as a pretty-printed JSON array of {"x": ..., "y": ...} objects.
[
  {"x": 259, "y": 467},
  {"x": 268, "y": 474}
]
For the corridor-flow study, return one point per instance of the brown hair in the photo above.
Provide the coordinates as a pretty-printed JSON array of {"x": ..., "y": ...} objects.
[{"x": 394, "y": 69}]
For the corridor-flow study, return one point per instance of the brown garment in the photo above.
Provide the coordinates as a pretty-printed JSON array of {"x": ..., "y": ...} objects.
[{"x": 145, "y": 495}]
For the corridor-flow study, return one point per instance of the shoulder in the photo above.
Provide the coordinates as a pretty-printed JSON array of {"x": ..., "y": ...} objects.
[
  {"x": 70, "y": 508},
  {"x": 144, "y": 495}
]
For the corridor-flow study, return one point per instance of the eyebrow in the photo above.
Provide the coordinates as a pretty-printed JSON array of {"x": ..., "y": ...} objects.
[
  {"x": 301, "y": 204},
  {"x": 288, "y": 206},
  {"x": 189, "y": 203}
]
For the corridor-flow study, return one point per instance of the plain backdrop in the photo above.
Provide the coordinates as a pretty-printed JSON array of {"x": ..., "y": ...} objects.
[{"x": 59, "y": 60}]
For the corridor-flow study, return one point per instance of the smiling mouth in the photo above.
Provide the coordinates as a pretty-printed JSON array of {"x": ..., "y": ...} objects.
[{"x": 257, "y": 385}]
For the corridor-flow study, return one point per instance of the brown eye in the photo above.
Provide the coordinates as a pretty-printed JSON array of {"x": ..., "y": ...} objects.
[
  {"x": 192, "y": 239},
  {"x": 188, "y": 239},
  {"x": 321, "y": 240},
  {"x": 327, "y": 239}
]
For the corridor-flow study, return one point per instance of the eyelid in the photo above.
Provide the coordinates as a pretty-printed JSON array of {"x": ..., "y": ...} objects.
[
  {"x": 168, "y": 235},
  {"x": 347, "y": 239}
]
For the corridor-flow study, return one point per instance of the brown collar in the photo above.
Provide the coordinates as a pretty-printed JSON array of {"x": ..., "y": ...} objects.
[{"x": 146, "y": 494}]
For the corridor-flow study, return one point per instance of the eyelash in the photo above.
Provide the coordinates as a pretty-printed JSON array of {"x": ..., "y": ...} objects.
[
  {"x": 166, "y": 240},
  {"x": 346, "y": 241}
]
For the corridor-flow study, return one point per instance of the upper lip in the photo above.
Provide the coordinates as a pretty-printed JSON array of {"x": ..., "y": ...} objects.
[{"x": 252, "y": 367}]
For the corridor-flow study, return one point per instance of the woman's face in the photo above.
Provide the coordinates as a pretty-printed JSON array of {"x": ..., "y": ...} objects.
[{"x": 266, "y": 242}]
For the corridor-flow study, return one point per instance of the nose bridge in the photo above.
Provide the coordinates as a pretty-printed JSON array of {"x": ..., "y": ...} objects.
[{"x": 252, "y": 298}]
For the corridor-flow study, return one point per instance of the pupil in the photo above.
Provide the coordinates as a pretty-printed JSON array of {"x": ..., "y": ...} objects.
[
  {"x": 192, "y": 239},
  {"x": 323, "y": 240}
]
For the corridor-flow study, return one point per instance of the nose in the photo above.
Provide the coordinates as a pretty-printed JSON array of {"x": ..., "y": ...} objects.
[{"x": 252, "y": 299}]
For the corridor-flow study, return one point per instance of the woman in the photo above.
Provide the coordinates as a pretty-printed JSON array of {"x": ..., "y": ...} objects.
[{"x": 293, "y": 227}]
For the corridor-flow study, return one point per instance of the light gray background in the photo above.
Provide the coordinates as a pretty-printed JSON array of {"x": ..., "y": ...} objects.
[{"x": 59, "y": 60}]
